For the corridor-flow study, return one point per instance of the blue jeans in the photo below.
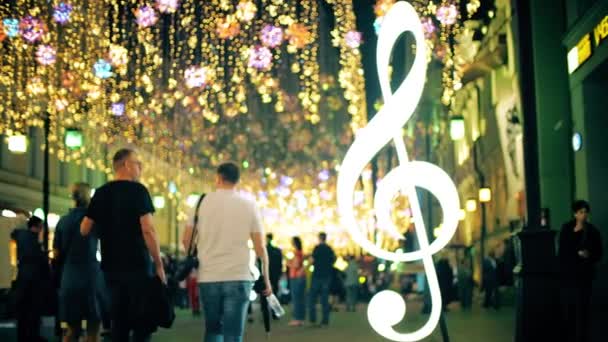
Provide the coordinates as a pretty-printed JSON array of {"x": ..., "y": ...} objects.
[
  {"x": 225, "y": 306},
  {"x": 319, "y": 288},
  {"x": 352, "y": 292},
  {"x": 298, "y": 296}
]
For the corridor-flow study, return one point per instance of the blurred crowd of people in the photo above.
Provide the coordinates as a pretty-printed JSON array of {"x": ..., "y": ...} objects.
[{"x": 107, "y": 269}]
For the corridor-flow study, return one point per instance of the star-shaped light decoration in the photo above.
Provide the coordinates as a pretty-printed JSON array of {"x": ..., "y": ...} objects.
[
  {"x": 145, "y": 16},
  {"x": 118, "y": 55},
  {"x": 324, "y": 175},
  {"x": 11, "y": 27},
  {"x": 245, "y": 11},
  {"x": 428, "y": 27},
  {"x": 260, "y": 57},
  {"x": 196, "y": 77},
  {"x": 117, "y": 108},
  {"x": 271, "y": 36},
  {"x": 228, "y": 27},
  {"x": 378, "y": 24},
  {"x": 103, "y": 69},
  {"x": 447, "y": 14},
  {"x": 167, "y": 6},
  {"x": 298, "y": 35},
  {"x": 46, "y": 54},
  {"x": 61, "y": 13},
  {"x": 32, "y": 29},
  {"x": 382, "y": 7},
  {"x": 353, "y": 39}
]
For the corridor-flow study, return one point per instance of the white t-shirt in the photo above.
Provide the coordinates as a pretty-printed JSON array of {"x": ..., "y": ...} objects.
[{"x": 225, "y": 223}]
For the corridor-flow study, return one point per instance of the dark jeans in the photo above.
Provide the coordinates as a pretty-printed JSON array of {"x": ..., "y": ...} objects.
[
  {"x": 319, "y": 288},
  {"x": 492, "y": 297},
  {"x": 225, "y": 307},
  {"x": 124, "y": 290},
  {"x": 575, "y": 302},
  {"x": 298, "y": 297},
  {"x": 352, "y": 294},
  {"x": 28, "y": 310}
]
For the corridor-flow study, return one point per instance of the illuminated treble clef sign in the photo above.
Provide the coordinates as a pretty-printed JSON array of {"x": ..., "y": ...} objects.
[{"x": 387, "y": 308}]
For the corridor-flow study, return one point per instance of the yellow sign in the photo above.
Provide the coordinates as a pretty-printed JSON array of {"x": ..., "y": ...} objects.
[
  {"x": 584, "y": 48},
  {"x": 601, "y": 31}
]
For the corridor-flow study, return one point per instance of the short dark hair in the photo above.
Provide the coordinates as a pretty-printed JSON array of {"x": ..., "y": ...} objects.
[
  {"x": 297, "y": 242},
  {"x": 34, "y": 221},
  {"x": 229, "y": 172},
  {"x": 580, "y": 204},
  {"x": 81, "y": 193},
  {"x": 323, "y": 236},
  {"x": 269, "y": 237},
  {"x": 120, "y": 156}
]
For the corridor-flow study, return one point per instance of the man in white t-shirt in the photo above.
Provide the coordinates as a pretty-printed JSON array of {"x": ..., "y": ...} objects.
[{"x": 226, "y": 222}]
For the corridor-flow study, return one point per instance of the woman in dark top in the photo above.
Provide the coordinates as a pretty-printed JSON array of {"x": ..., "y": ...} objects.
[
  {"x": 77, "y": 295},
  {"x": 580, "y": 248}
]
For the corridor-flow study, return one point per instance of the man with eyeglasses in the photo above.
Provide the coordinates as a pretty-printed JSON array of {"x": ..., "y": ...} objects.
[{"x": 122, "y": 213}]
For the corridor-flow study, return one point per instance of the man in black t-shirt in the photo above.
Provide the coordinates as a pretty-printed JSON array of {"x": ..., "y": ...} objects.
[
  {"x": 122, "y": 213},
  {"x": 323, "y": 261}
]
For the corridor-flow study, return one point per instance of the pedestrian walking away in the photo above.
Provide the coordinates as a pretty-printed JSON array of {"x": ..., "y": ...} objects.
[
  {"x": 323, "y": 259},
  {"x": 225, "y": 222},
  {"x": 78, "y": 291},
  {"x": 121, "y": 212}
]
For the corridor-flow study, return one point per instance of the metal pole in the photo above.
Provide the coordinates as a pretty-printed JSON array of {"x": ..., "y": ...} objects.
[
  {"x": 176, "y": 232},
  {"x": 45, "y": 180},
  {"x": 528, "y": 103},
  {"x": 484, "y": 231}
]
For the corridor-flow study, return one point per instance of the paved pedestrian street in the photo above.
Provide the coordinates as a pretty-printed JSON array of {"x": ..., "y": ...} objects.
[{"x": 480, "y": 325}]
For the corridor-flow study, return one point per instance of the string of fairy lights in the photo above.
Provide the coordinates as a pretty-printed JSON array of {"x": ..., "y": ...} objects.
[
  {"x": 194, "y": 83},
  {"x": 442, "y": 24},
  {"x": 180, "y": 80}
]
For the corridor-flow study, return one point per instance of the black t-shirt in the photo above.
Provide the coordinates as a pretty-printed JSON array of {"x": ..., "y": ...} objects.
[
  {"x": 116, "y": 209},
  {"x": 29, "y": 253},
  {"x": 324, "y": 258}
]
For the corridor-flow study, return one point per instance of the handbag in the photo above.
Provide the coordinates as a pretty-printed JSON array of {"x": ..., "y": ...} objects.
[{"x": 185, "y": 267}]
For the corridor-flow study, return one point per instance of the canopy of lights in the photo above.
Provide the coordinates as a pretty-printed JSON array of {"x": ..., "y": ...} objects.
[{"x": 276, "y": 85}]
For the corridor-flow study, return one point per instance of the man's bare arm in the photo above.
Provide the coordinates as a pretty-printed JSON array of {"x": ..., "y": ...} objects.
[
  {"x": 85, "y": 226},
  {"x": 149, "y": 234},
  {"x": 259, "y": 246}
]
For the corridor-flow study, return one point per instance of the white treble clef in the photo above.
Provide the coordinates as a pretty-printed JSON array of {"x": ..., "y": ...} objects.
[{"x": 387, "y": 308}]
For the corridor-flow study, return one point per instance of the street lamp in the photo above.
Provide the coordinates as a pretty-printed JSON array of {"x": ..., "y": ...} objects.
[
  {"x": 462, "y": 215},
  {"x": 471, "y": 205},
  {"x": 73, "y": 138},
  {"x": 485, "y": 195},
  {"x": 457, "y": 128},
  {"x": 17, "y": 143}
]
